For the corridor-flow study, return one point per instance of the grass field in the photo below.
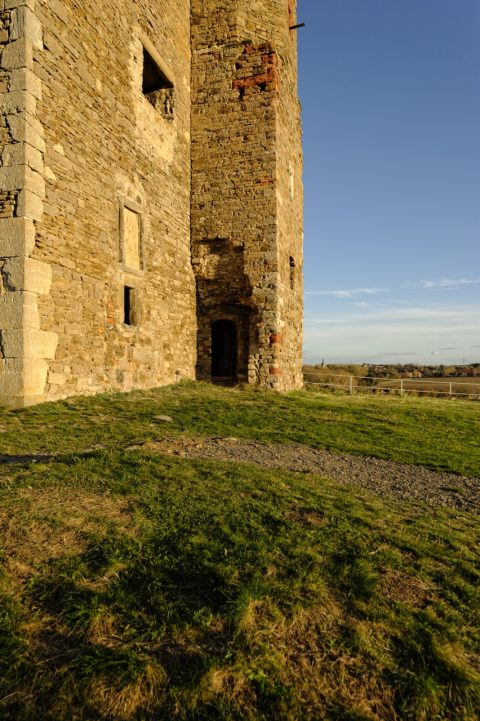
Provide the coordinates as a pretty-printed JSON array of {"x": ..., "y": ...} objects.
[{"x": 141, "y": 586}]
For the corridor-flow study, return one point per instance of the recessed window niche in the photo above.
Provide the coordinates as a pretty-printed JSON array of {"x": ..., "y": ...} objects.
[
  {"x": 156, "y": 87},
  {"x": 292, "y": 273},
  {"x": 128, "y": 305},
  {"x": 131, "y": 237}
]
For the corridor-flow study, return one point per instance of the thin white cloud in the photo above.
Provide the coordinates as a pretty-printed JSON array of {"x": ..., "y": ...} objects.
[
  {"x": 448, "y": 283},
  {"x": 393, "y": 332},
  {"x": 391, "y": 315},
  {"x": 350, "y": 293}
]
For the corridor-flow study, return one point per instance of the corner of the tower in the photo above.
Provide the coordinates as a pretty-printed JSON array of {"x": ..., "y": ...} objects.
[{"x": 24, "y": 347}]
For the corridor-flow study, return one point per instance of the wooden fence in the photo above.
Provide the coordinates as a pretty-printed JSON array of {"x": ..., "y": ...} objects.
[{"x": 451, "y": 388}]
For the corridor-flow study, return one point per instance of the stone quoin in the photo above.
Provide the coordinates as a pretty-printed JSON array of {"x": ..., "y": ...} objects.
[{"x": 150, "y": 196}]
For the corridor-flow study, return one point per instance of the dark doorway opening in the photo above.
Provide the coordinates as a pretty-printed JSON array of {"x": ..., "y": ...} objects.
[{"x": 224, "y": 351}]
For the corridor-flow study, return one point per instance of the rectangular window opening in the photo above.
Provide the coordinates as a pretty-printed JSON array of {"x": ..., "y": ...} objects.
[
  {"x": 156, "y": 87},
  {"x": 292, "y": 273},
  {"x": 128, "y": 305}
]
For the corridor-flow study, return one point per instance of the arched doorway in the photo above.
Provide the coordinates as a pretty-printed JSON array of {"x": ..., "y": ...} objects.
[{"x": 224, "y": 351}]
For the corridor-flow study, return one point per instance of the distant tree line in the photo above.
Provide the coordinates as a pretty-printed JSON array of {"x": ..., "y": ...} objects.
[{"x": 398, "y": 370}]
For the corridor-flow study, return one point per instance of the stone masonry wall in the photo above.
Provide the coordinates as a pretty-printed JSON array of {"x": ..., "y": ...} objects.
[
  {"x": 117, "y": 172},
  {"x": 245, "y": 148},
  {"x": 290, "y": 209},
  {"x": 25, "y": 346},
  {"x": 101, "y": 219}
]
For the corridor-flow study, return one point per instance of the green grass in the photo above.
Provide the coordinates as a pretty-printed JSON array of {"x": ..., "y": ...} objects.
[
  {"x": 145, "y": 587},
  {"x": 437, "y": 433}
]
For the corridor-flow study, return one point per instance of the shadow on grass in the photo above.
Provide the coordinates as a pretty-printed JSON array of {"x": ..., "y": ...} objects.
[{"x": 116, "y": 625}]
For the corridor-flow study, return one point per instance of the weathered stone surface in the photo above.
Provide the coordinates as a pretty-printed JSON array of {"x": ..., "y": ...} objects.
[
  {"x": 17, "y": 236},
  {"x": 115, "y": 260},
  {"x": 26, "y": 343},
  {"x": 107, "y": 148},
  {"x": 246, "y": 185}
]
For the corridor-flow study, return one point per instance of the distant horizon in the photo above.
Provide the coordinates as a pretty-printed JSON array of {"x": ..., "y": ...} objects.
[{"x": 434, "y": 364}]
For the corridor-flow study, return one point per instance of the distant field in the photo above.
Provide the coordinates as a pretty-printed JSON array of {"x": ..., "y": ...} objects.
[{"x": 465, "y": 386}]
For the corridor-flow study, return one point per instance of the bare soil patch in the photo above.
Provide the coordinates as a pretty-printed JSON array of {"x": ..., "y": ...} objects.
[{"x": 408, "y": 482}]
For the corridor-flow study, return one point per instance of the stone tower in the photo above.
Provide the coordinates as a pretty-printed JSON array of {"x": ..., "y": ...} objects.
[
  {"x": 150, "y": 195},
  {"x": 247, "y": 191}
]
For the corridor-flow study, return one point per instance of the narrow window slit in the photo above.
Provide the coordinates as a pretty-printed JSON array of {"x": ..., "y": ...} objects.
[{"x": 128, "y": 305}]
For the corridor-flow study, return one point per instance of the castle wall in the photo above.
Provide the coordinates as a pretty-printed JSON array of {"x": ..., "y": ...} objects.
[
  {"x": 150, "y": 186},
  {"x": 246, "y": 223},
  {"x": 115, "y": 227}
]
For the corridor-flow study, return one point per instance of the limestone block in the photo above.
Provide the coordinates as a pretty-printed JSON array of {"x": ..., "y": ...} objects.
[
  {"x": 23, "y": 154},
  {"x": 11, "y": 380},
  {"x": 34, "y": 182},
  {"x": 26, "y": 274},
  {"x": 34, "y": 378},
  {"x": 58, "y": 379},
  {"x": 18, "y": 54},
  {"x": 12, "y": 177},
  {"x": 19, "y": 310},
  {"x": 58, "y": 8},
  {"x": 25, "y": 79},
  {"x": 29, "y": 343},
  {"x": 17, "y": 101},
  {"x": 30, "y": 205},
  {"x": 49, "y": 174},
  {"x": 17, "y": 237},
  {"x": 22, "y": 382},
  {"x": 24, "y": 131},
  {"x": 26, "y": 25}
]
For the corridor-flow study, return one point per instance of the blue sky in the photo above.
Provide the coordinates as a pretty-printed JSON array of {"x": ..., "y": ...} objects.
[{"x": 390, "y": 91}]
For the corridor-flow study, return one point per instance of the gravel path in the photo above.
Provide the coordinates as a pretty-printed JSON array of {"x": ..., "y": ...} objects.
[{"x": 383, "y": 477}]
